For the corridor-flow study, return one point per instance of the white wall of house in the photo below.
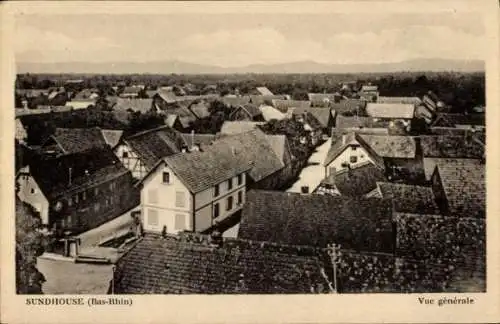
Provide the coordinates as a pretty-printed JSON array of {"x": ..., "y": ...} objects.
[
  {"x": 166, "y": 204},
  {"x": 353, "y": 155},
  {"x": 30, "y": 193},
  {"x": 131, "y": 161}
]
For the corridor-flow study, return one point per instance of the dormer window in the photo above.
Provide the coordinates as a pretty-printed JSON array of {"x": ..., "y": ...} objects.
[{"x": 125, "y": 155}]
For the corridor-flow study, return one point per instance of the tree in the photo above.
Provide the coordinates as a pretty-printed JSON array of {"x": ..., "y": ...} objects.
[{"x": 30, "y": 244}]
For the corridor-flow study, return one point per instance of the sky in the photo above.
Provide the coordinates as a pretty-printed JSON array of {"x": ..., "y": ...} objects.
[{"x": 240, "y": 39}]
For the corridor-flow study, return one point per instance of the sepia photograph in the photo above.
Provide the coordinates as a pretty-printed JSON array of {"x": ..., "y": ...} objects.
[{"x": 252, "y": 152}]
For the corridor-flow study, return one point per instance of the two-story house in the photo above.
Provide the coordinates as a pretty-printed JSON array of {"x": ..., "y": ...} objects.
[
  {"x": 78, "y": 191},
  {"x": 193, "y": 191}
]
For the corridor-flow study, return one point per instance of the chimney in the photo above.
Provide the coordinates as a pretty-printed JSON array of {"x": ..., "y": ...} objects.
[
  {"x": 69, "y": 177},
  {"x": 304, "y": 189}
]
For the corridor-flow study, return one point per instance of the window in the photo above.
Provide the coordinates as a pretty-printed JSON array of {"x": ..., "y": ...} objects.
[
  {"x": 180, "y": 199},
  {"x": 33, "y": 190},
  {"x": 216, "y": 210},
  {"x": 354, "y": 148},
  {"x": 240, "y": 197},
  {"x": 180, "y": 222},
  {"x": 240, "y": 179},
  {"x": 230, "y": 184},
  {"x": 125, "y": 155},
  {"x": 84, "y": 195},
  {"x": 152, "y": 217},
  {"x": 97, "y": 206},
  {"x": 153, "y": 196},
  {"x": 354, "y": 159},
  {"x": 166, "y": 177},
  {"x": 229, "y": 205},
  {"x": 216, "y": 191}
]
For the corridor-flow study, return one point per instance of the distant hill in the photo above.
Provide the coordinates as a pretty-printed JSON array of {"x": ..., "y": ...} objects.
[{"x": 179, "y": 67}]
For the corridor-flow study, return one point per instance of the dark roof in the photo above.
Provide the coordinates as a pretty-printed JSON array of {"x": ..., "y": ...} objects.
[
  {"x": 443, "y": 146},
  {"x": 409, "y": 198},
  {"x": 322, "y": 115},
  {"x": 89, "y": 168},
  {"x": 253, "y": 147},
  {"x": 317, "y": 220},
  {"x": 200, "y": 109},
  {"x": 153, "y": 145},
  {"x": 72, "y": 140},
  {"x": 283, "y": 105},
  {"x": 341, "y": 141},
  {"x": 199, "y": 139},
  {"x": 142, "y": 105},
  {"x": 431, "y": 162},
  {"x": 173, "y": 265},
  {"x": 200, "y": 170},
  {"x": 465, "y": 188},
  {"x": 392, "y": 146},
  {"x": 348, "y": 105},
  {"x": 355, "y": 182},
  {"x": 452, "y": 120}
]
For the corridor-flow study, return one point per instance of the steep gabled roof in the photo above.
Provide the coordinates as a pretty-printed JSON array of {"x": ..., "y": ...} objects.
[
  {"x": 250, "y": 109},
  {"x": 443, "y": 146},
  {"x": 322, "y": 115},
  {"x": 348, "y": 105},
  {"x": 269, "y": 113},
  {"x": 154, "y": 144},
  {"x": 390, "y": 110},
  {"x": 431, "y": 162},
  {"x": 359, "y": 121},
  {"x": 72, "y": 140},
  {"x": 355, "y": 182},
  {"x": 200, "y": 109},
  {"x": 464, "y": 187},
  {"x": 317, "y": 220},
  {"x": 199, "y": 139},
  {"x": 173, "y": 265},
  {"x": 112, "y": 137},
  {"x": 75, "y": 171},
  {"x": 142, "y": 105},
  {"x": 238, "y": 127},
  {"x": 201, "y": 170},
  {"x": 167, "y": 95},
  {"x": 392, "y": 146},
  {"x": 409, "y": 198},
  {"x": 342, "y": 141},
  {"x": 264, "y": 91}
]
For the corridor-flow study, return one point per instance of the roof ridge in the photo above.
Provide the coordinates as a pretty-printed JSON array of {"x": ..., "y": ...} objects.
[{"x": 149, "y": 131}]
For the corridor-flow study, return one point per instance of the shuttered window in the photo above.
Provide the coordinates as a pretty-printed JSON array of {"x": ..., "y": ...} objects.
[
  {"x": 180, "y": 199},
  {"x": 180, "y": 222},
  {"x": 152, "y": 217}
]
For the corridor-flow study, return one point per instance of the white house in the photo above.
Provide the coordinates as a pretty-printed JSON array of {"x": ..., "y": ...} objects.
[
  {"x": 193, "y": 191},
  {"x": 349, "y": 151}
]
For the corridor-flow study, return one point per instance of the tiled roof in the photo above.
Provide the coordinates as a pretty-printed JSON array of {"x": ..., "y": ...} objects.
[
  {"x": 348, "y": 105},
  {"x": 200, "y": 170},
  {"x": 317, "y": 220},
  {"x": 264, "y": 91},
  {"x": 399, "y": 100},
  {"x": 237, "y": 127},
  {"x": 392, "y": 146},
  {"x": 171, "y": 265},
  {"x": 88, "y": 168},
  {"x": 356, "y": 182},
  {"x": 409, "y": 198},
  {"x": 430, "y": 164},
  {"x": 72, "y": 140},
  {"x": 341, "y": 141},
  {"x": 465, "y": 188},
  {"x": 390, "y": 110},
  {"x": 284, "y": 105},
  {"x": 252, "y": 110},
  {"x": 142, "y": 105},
  {"x": 153, "y": 145},
  {"x": 170, "y": 120},
  {"x": 167, "y": 95},
  {"x": 452, "y": 120},
  {"x": 200, "y": 109},
  {"x": 442, "y": 146},
  {"x": 279, "y": 143},
  {"x": 252, "y": 147},
  {"x": 112, "y": 137},
  {"x": 322, "y": 115},
  {"x": 200, "y": 139},
  {"x": 360, "y": 121}
]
